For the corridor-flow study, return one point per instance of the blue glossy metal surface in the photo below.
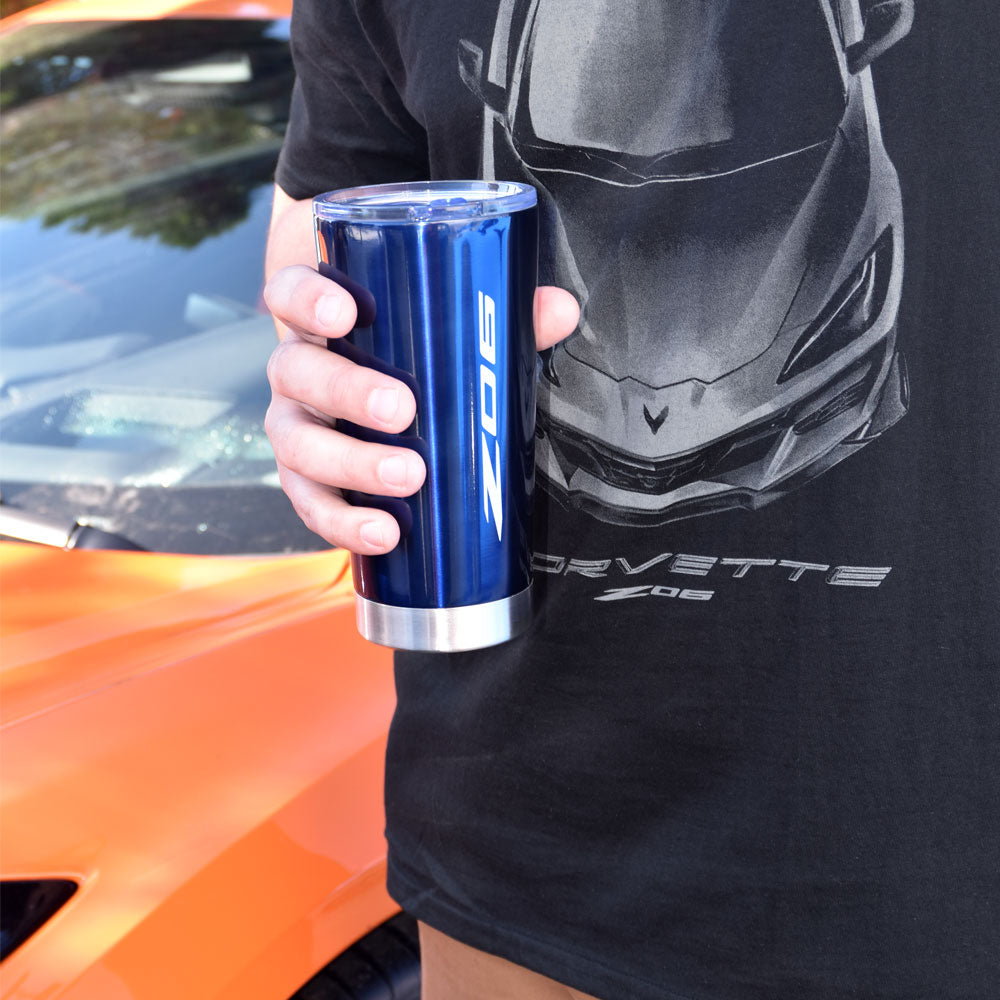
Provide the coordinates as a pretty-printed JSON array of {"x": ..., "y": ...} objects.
[{"x": 432, "y": 272}]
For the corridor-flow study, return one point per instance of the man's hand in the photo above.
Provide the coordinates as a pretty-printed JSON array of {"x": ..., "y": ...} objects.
[{"x": 312, "y": 387}]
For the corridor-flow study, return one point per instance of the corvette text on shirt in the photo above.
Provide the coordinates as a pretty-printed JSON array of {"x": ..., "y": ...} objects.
[{"x": 685, "y": 564}]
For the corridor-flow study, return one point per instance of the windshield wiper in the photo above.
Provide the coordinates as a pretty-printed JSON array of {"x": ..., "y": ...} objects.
[{"x": 24, "y": 526}]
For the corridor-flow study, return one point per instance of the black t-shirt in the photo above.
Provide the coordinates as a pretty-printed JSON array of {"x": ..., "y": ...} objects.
[{"x": 749, "y": 748}]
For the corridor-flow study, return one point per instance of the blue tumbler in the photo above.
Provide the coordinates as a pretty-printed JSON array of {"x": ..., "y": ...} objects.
[{"x": 444, "y": 273}]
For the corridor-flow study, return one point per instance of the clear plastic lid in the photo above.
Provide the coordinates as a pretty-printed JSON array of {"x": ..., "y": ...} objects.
[{"x": 425, "y": 201}]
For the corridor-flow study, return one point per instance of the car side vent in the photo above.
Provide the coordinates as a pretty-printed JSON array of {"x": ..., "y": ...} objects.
[{"x": 26, "y": 904}]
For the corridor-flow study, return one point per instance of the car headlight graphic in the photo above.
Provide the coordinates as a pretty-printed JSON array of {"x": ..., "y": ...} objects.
[
  {"x": 852, "y": 310},
  {"x": 25, "y": 904}
]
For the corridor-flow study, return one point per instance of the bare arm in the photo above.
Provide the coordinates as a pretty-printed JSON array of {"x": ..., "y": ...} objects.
[{"x": 289, "y": 239}]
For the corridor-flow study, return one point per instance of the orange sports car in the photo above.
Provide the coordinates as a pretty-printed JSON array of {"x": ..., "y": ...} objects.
[{"x": 192, "y": 731}]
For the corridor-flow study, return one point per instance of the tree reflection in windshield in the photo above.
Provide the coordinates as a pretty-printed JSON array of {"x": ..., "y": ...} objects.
[
  {"x": 189, "y": 213},
  {"x": 136, "y": 162},
  {"x": 94, "y": 112}
]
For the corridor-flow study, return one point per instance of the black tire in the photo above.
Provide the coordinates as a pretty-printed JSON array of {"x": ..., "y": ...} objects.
[{"x": 383, "y": 965}]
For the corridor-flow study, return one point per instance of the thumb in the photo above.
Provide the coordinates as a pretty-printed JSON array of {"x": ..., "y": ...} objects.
[{"x": 556, "y": 315}]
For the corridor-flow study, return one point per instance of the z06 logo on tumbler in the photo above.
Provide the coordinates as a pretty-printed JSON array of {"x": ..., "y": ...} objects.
[{"x": 488, "y": 412}]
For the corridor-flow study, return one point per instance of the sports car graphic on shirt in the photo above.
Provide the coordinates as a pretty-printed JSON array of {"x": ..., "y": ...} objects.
[{"x": 720, "y": 201}]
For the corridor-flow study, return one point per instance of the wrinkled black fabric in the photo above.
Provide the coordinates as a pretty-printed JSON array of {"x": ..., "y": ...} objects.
[{"x": 788, "y": 789}]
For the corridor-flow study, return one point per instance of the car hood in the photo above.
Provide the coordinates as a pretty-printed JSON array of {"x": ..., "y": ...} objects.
[
  {"x": 679, "y": 290},
  {"x": 112, "y": 10},
  {"x": 700, "y": 384},
  {"x": 198, "y": 743},
  {"x": 73, "y": 623}
]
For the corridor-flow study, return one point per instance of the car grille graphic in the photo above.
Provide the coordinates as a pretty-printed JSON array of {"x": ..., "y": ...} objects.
[{"x": 574, "y": 450}]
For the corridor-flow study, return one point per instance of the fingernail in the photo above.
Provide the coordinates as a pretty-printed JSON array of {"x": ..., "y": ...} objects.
[
  {"x": 371, "y": 533},
  {"x": 383, "y": 404},
  {"x": 329, "y": 309},
  {"x": 393, "y": 470}
]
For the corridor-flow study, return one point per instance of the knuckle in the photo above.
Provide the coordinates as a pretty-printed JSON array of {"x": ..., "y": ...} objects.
[
  {"x": 313, "y": 512},
  {"x": 327, "y": 524},
  {"x": 306, "y": 509},
  {"x": 282, "y": 428},
  {"x": 276, "y": 367},
  {"x": 295, "y": 451},
  {"x": 291, "y": 293},
  {"x": 286, "y": 436},
  {"x": 287, "y": 482},
  {"x": 302, "y": 500},
  {"x": 272, "y": 427},
  {"x": 349, "y": 458},
  {"x": 275, "y": 296},
  {"x": 268, "y": 295},
  {"x": 341, "y": 390},
  {"x": 331, "y": 525}
]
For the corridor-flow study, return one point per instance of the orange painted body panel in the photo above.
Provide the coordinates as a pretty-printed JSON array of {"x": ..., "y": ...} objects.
[
  {"x": 129, "y": 10},
  {"x": 198, "y": 742}
]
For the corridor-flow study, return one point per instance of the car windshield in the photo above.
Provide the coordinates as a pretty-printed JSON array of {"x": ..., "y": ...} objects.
[
  {"x": 136, "y": 166},
  {"x": 750, "y": 79}
]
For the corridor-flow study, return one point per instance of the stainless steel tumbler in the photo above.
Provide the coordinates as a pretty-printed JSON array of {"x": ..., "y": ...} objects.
[{"x": 452, "y": 268}]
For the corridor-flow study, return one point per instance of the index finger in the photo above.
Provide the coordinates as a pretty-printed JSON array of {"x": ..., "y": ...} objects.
[{"x": 313, "y": 306}]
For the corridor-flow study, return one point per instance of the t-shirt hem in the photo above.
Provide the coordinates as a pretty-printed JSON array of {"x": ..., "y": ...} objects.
[
  {"x": 576, "y": 971},
  {"x": 294, "y": 184}
]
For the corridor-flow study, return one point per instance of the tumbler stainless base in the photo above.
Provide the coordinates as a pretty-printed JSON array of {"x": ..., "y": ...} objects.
[{"x": 445, "y": 630}]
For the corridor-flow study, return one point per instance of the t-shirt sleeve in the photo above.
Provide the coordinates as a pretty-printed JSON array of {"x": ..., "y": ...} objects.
[{"x": 348, "y": 123}]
